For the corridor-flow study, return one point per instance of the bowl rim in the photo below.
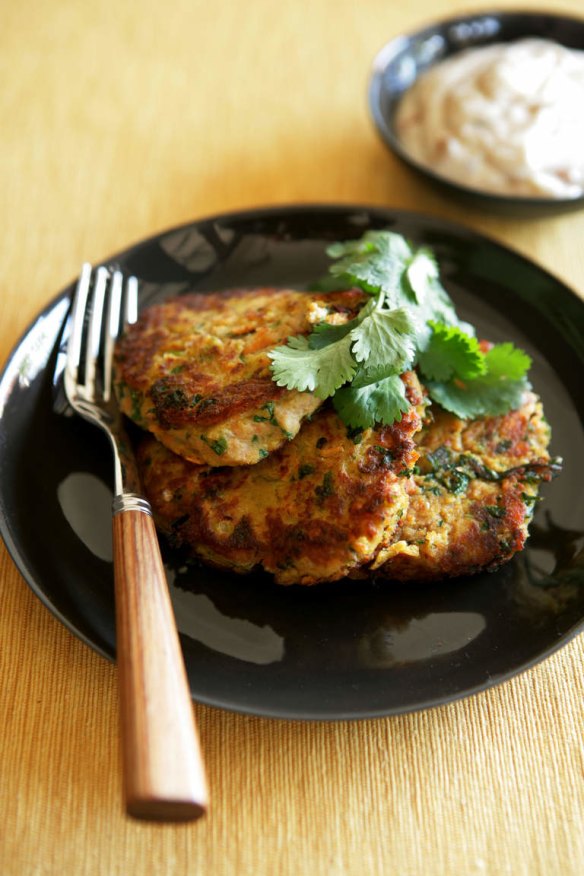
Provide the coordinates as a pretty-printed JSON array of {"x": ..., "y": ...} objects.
[{"x": 384, "y": 123}]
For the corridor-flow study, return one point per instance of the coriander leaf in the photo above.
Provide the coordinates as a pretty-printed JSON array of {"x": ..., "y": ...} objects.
[
  {"x": 478, "y": 398},
  {"x": 505, "y": 360},
  {"x": 432, "y": 301},
  {"x": 420, "y": 274},
  {"x": 409, "y": 315},
  {"x": 451, "y": 353},
  {"x": 383, "y": 262},
  {"x": 365, "y": 376},
  {"x": 385, "y": 338},
  {"x": 423, "y": 277},
  {"x": 298, "y": 366},
  {"x": 381, "y": 402},
  {"x": 497, "y": 391},
  {"x": 324, "y": 335},
  {"x": 375, "y": 263}
]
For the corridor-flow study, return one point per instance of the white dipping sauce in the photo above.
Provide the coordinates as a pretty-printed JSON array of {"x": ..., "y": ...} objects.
[{"x": 505, "y": 118}]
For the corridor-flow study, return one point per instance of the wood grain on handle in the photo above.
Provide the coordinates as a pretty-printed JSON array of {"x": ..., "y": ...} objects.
[{"x": 164, "y": 777}]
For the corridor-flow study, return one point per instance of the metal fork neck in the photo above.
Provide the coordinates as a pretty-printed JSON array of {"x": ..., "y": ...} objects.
[{"x": 130, "y": 502}]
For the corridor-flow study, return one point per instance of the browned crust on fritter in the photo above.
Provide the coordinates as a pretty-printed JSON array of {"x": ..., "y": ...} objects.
[
  {"x": 474, "y": 497},
  {"x": 244, "y": 396},
  {"x": 314, "y": 510},
  {"x": 195, "y": 370}
]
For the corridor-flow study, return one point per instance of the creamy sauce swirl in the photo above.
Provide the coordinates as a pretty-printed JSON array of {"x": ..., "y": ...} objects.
[{"x": 505, "y": 118}]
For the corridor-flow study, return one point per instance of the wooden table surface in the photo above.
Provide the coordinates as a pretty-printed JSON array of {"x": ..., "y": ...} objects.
[{"x": 120, "y": 119}]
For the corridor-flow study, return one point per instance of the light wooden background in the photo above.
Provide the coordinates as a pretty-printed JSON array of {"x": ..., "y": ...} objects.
[{"x": 119, "y": 119}]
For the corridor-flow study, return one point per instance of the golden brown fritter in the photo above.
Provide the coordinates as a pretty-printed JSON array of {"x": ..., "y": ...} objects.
[
  {"x": 476, "y": 488},
  {"x": 314, "y": 510},
  {"x": 195, "y": 372},
  {"x": 259, "y": 477}
]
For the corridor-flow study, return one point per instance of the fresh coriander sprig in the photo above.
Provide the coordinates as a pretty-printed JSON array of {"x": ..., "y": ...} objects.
[
  {"x": 409, "y": 321},
  {"x": 497, "y": 390}
]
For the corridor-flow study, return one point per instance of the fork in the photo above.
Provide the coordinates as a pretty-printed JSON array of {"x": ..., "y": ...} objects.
[{"x": 164, "y": 778}]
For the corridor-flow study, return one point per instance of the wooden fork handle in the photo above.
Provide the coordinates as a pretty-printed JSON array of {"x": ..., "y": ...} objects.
[{"x": 164, "y": 778}]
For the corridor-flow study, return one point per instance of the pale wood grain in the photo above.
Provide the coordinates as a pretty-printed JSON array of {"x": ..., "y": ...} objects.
[
  {"x": 164, "y": 777},
  {"x": 120, "y": 119}
]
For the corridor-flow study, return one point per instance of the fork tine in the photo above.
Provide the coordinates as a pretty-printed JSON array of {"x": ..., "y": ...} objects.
[
  {"x": 76, "y": 325},
  {"x": 95, "y": 329},
  {"x": 112, "y": 330}
]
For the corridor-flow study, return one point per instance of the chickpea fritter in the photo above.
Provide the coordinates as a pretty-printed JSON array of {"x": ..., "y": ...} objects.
[
  {"x": 195, "y": 372},
  {"x": 476, "y": 487},
  {"x": 245, "y": 474},
  {"x": 315, "y": 510}
]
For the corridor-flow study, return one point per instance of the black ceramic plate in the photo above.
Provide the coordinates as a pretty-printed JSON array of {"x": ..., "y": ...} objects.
[
  {"x": 344, "y": 650},
  {"x": 404, "y": 58}
]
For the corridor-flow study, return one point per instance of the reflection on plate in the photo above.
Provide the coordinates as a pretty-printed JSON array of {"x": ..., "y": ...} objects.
[{"x": 341, "y": 650}]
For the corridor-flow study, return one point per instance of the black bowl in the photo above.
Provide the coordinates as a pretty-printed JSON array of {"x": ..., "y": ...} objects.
[{"x": 404, "y": 58}]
